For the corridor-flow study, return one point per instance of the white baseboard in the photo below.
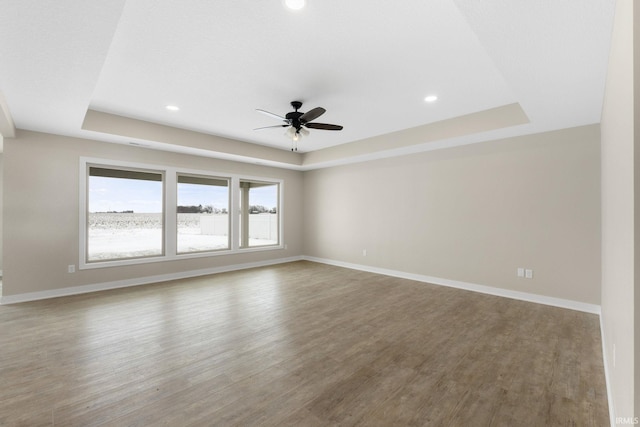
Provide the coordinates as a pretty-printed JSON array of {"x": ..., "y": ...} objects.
[
  {"x": 523, "y": 296},
  {"x": 605, "y": 362},
  {"x": 76, "y": 290}
]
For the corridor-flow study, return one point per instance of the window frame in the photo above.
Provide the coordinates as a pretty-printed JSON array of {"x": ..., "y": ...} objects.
[
  {"x": 85, "y": 219},
  {"x": 170, "y": 198},
  {"x": 228, "y": 207},
  {"x": 245, "y": 215}
]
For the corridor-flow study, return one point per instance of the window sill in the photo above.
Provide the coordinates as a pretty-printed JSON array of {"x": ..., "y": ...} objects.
[{"x": 177, "y": 257}]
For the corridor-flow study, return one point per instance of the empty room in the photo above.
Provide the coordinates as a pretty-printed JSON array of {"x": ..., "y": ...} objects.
[{"x": 318, "y": 212}]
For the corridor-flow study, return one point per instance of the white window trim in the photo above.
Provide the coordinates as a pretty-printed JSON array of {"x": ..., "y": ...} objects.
[
  {"x": 170, "y": 214},
  {"x": 174, "y": 219}
]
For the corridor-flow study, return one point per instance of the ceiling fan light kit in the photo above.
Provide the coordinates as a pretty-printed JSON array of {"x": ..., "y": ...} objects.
[{"x": 298, "y": 122}]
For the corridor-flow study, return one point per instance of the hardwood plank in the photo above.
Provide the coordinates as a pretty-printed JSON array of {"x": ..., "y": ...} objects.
[{"x": 298, "y": 344}]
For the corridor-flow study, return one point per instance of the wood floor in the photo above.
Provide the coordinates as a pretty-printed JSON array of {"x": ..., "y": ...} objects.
[{"x": 299, "y": 344}]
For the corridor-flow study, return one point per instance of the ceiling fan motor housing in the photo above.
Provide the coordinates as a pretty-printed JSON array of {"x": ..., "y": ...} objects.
[{"x": 294, "y": 116}]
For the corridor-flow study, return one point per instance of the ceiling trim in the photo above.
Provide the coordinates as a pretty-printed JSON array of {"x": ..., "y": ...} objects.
[
  {"x": 187, "y": 140},
  {"x": 420, "y": 137}
]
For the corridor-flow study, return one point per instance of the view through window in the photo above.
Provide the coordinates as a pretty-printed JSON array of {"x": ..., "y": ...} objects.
[
  {"x": 259, "y": 222},
  {"x": 134, "y": 213},
  {"x": 203, "y": 213},
  {"x": 125, "y": 217}
]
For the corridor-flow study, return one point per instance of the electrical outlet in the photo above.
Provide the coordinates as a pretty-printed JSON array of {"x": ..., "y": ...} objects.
[
  {"x": 364, "y": 252},
  {"x": 528, "y": 274},
  {"x": 71, "y": 268},
  {"x": 520, "y": 272}
]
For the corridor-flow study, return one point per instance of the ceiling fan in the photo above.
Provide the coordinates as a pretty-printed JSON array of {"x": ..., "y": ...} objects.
[{"x": 298, "y": 122}]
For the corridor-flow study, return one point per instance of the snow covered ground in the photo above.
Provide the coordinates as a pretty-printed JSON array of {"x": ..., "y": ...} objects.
[{"x": 128, "y": 235}]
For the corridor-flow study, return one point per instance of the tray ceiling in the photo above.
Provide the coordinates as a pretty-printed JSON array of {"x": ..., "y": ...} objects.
[{"x": 369, "y": 63}]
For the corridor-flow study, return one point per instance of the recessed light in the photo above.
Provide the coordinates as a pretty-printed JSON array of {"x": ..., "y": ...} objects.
[
  {"x": 295, "y": 4},
  {"x": 172, "y": 108},
  {"x": 431, "y": 98}
]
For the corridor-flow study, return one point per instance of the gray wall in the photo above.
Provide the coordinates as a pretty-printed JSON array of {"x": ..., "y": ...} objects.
[
  {"x": 41, "y": 200},
  {"x": 473, "y": 214}
]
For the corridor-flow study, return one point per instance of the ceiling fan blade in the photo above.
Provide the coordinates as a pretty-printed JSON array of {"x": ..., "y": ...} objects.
[
  {"x": 274, "y": 126},
  {"x": 275, "y": 116},
  {"x": 323, "y": 126},
  {"x": 312, "y": 114}
]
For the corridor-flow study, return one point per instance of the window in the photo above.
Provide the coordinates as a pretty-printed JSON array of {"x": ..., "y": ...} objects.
[
  {"x": 259, "y": 214},
  {"x": 132, "y": 213},
  {"x": 202, "y": 213},
  {"x": 125, "y": 214}
]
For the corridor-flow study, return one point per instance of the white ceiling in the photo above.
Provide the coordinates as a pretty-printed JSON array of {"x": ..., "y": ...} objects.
[{"x": 369, "y": 63}]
